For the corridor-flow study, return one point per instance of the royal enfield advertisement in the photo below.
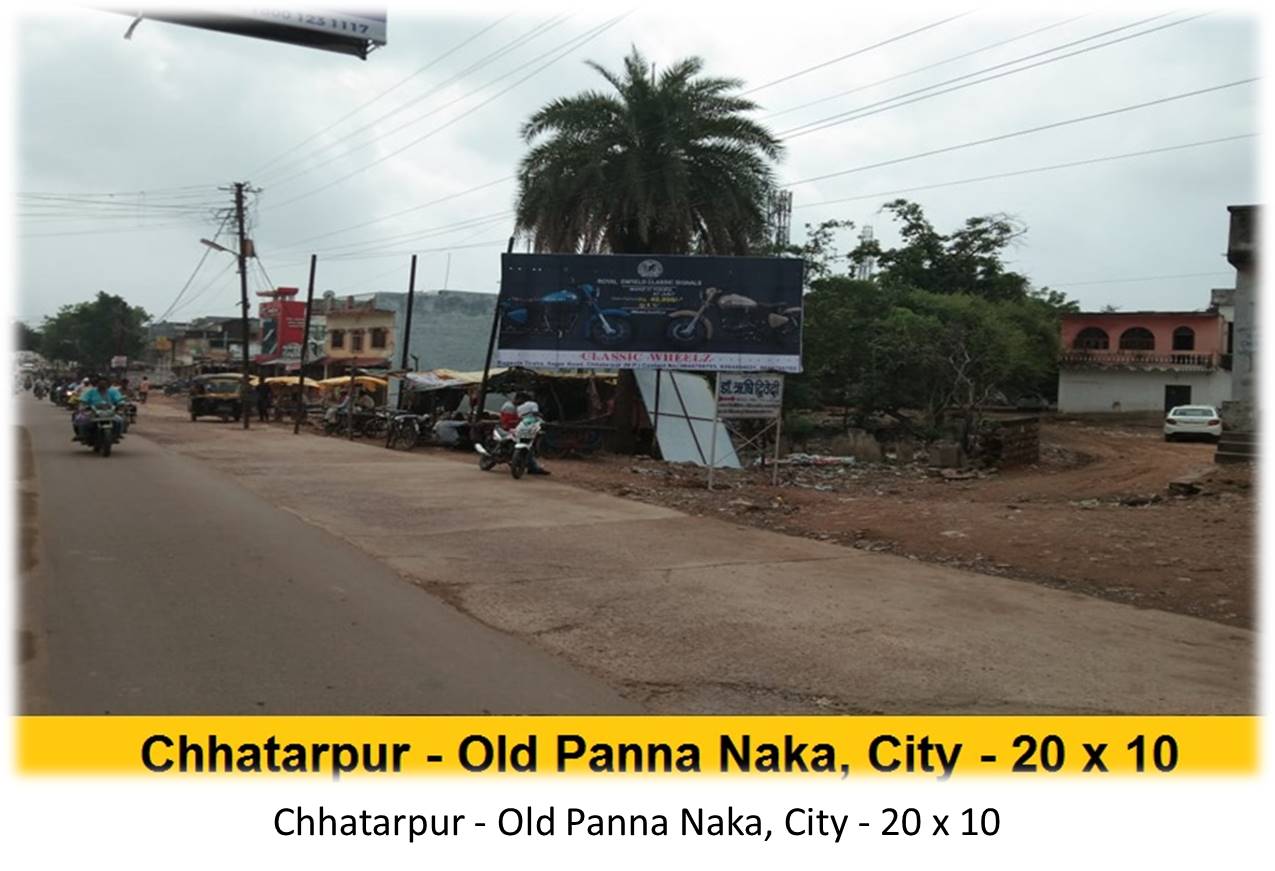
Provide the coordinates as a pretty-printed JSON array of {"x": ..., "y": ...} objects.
[{"x": 621, "y": 311}]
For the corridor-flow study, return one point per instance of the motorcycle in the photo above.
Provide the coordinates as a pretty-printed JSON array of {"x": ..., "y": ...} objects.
[
  {"x": 129, "y": 411},
  {"x": 39, "y": 391},
  {"x": 566, "y": 313},
  {"x": 406, "y": 430},
  {"x": 499, "y": 449},
  {"x": 100, "y": 430},
  {"x": 525, "y": 438},
  {"x": 739, "y": 317}
]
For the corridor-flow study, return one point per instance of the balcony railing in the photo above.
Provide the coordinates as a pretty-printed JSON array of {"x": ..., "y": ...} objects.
[{"x": 1139, "y": 360}]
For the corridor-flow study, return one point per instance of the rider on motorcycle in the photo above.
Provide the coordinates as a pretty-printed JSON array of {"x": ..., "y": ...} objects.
[
  {"x": 529, "y": 412},
  {"x": 101, "y": 393}
]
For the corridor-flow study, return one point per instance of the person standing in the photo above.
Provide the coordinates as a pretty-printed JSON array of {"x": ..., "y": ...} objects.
[
  {"x": 144, "y": 389},
  {"x": 263, "y": 402}
]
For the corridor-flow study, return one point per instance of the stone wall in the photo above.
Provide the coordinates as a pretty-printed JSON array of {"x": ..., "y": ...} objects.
[{"x": 1009, "y": 442}]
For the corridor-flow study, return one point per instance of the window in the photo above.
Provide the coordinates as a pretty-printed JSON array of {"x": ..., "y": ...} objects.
[
  {"x": 378, "y": 337},
  {"x": 338, "y": 338},
  {"x": 1184, "y": 339},
  {"x": 1091, "y": 339},
  {"x": 356, "y": 340},
  {"x": 1137, "y": 339}
]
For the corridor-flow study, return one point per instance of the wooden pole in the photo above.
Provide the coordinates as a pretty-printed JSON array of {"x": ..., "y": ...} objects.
[
  {"x": 475, "y": 413},
  {"x": 305, "y": 345},
  {"x": 407, "y": 328}
]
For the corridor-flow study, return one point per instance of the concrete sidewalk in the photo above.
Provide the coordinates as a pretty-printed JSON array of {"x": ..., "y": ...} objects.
[{"x": 693, "y": 615}]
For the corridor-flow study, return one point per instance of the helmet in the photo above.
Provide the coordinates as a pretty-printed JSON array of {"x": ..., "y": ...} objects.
[
  {"x": 509, "y": 406},
  {"x": 528, "y": 408}
]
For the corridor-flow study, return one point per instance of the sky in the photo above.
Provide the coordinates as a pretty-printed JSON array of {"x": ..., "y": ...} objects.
[{"x": 336, "y": 147}]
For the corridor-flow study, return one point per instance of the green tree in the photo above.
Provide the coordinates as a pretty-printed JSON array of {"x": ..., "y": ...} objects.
[
  {"x": 91, "y": 333},
  {"x": 27, "y": 339},
  {"x": 968, "y": 260},
  {"x": 664, "y": 164}
]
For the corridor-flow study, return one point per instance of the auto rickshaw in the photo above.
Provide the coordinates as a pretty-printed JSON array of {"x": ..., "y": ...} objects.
[{"x": 217, "y": 395}]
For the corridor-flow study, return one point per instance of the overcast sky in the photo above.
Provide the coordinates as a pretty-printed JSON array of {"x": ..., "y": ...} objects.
[{"x": 177, "y": 112}]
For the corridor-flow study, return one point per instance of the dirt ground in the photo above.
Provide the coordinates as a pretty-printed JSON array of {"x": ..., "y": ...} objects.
[{"x": 1095, "y": 516}]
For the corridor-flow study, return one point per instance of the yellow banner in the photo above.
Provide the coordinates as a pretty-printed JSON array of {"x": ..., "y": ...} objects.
[{"x": 837, "y": 747}]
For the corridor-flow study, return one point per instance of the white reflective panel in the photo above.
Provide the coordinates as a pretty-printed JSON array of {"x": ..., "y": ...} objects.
[{"x": 685, "y": 425}]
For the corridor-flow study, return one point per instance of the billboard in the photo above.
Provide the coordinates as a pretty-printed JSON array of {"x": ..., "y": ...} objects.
[
  {"x": 630, "y": 311},
  {"x": 282, "y": 328},
  {"x": 346, "y": 32}
]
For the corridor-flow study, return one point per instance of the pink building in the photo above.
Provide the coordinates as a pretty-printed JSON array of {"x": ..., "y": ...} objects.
[{"x": 1144, "y": 361}]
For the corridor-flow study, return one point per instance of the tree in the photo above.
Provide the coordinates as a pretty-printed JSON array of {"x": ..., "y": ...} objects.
[
  {"x": 91, "y": 333},
  {"x": 27, "y": 339},
  {"x": 665, "y": 164},
  {"x": 968, "y": 260}
]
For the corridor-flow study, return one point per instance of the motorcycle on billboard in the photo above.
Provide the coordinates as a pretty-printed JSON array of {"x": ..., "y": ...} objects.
[{"x": 619, "y": 311}]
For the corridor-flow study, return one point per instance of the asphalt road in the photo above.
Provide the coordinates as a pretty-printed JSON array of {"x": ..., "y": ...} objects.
[{"x": 160, "y": 586}]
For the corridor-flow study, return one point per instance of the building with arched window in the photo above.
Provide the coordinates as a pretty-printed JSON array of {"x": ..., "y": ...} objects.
[{"x": 1144, "y": 361}]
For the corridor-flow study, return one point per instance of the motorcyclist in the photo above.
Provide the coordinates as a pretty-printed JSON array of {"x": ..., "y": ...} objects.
[
  {"x": 529, "y": 413},
  {"x": 101, "y": 393}
]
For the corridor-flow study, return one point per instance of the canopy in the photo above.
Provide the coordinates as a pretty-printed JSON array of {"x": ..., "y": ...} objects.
[
  {"x": 291, "y": 380},
  {"x": 362, "y": 380},
  {"x": 440, "y": 379}
]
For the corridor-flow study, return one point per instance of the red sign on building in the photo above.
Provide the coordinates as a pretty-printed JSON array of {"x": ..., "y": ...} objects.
[{"x": 282, "y": 325}]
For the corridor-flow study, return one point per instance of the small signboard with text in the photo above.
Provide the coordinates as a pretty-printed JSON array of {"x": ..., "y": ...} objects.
[
  {"x": 749, "y": 395},
  {"x": 119, "y": 362}
]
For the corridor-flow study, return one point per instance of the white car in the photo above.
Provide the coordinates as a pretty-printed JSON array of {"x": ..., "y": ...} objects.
[{"x": 1192, "y": 421}]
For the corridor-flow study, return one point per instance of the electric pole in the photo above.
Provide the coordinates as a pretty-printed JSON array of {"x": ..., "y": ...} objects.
[{"x": 243, "y": 298}]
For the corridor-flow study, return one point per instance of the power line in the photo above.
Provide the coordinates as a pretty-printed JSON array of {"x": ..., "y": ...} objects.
[
  {"x": 399, "y": 238},
  {"x": 934, "y": 65},
  {"x": 843, "y": 117},
  {"x": 198, "y": 266},
  {"x": 509, "y": 48},
  {"x": 854, "y": 53},
  {"x": 456, "y": 195},
  {"x": 1141, "y": 278},
  {"x": 388, "y": 90},
  {"x": 225, "y": 269},
  {"x": 1030, "y": 171},
  {"x": 1029, "y": 130},
  {"x": 587, "y": 37}
]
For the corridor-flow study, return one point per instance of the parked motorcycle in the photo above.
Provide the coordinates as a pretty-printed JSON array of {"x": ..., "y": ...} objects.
[
  {"x": 407, "y": 430},
  {"x": 498, "y": 449},
  {"x": 739, "y": 317},
  {"x": 569, "y": 312},
  {"x": 525, "y": 438},
  {"x": 100, "y": 431}
]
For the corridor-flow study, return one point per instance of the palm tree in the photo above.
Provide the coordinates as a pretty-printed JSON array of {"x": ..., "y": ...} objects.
[{"x": 666, "y": 165}]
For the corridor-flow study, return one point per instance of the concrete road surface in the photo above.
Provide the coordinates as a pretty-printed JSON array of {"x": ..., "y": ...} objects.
[
  {"x": 680, "y": 614},
  {"x": 161, "y": 586}
]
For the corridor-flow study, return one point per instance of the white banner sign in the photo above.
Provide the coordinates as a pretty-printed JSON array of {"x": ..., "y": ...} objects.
[
  {"x": 684, "y": 361},
  {"x": 119, "y": 362},
  {"x": 749, "y": 395}
]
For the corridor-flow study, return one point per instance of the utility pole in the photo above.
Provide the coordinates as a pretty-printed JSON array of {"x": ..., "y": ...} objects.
[
  {"x": 305, "y": 344},
  {"x": 243, "y": 297},
  {"x": 407, "y": 329}
]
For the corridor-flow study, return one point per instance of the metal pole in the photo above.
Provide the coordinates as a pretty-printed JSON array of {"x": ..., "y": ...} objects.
[
  {"x": 655, "y": 426},
  {"x": 349, "y": 408},
  {"x": 407, "y": 329},
  {"x": 774, "y": 472},
  {"x": 476, "y": 412},
  {"x": 712, "y": 448},
  {"x": 243, "y": 301},
  {"x": 305, "y": 346}
]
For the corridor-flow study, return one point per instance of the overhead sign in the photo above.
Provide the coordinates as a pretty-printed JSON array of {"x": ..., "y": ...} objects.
[
  {"x": 623, "y": 311},
  {"x": 349, "y": 32},
  {"x": 282, "y": 325},
  {"x": 749, "y": 395}
]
